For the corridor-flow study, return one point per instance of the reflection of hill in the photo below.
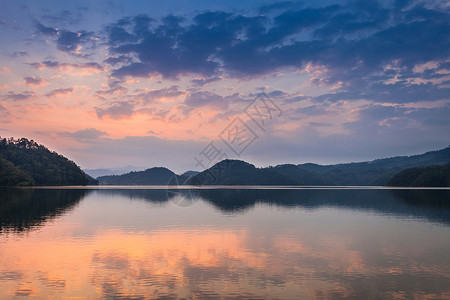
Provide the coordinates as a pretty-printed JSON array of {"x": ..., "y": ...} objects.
[
  {"x": 433, "y": 205},
  {"x": 24, "y": 209},
  {"x": 138, "y": 194}
]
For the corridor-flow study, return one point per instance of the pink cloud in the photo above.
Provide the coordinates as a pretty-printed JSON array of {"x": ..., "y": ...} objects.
[
  {"x": 76, "y": 69},
  {"x": 27, "y": 95},
  {"x": 60, "y": 92},
  {"x": 5, "y": 70},
  {"x": 35, "y": 81}
]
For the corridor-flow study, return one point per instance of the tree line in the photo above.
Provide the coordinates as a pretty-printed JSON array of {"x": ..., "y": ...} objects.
[{"x": 24, "y": 162}]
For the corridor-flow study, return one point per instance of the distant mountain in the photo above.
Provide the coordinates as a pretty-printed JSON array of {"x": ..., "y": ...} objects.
[
  {"x": 376, "y": 172},
  {"x": 301, "y": 176},
  {"x": 23, "y": 162},
  {"x": 153, "y": 176},
  {"x": 237, "y": 172},
  {"x": 183, "y": 178},
  {"x": 430, "y": 176},
  {"x": 114, "y": 171}
]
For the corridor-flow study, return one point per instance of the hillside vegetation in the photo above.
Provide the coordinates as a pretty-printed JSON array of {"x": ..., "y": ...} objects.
[
  {"x": 431, "y": 176},
  {"x": 153, "y": 176},
  {"x": 377, "y": 172},
  {"x": 24, "y": 162}
]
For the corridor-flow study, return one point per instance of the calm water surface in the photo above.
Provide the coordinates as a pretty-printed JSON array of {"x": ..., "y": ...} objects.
[{"x": 256, "y": 244}]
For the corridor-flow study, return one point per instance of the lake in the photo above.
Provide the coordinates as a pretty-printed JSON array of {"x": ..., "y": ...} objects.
[{"x": 246, "y": 243}]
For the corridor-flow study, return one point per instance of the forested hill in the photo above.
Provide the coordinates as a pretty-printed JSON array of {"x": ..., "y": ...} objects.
[
  {"x": 377, "y": 172},
  {"x": 24, "y": 162},
  {"x": 431, "y": 176},
  {"x": 153, "y": 176},
  {"x": 236, "y": 172}
]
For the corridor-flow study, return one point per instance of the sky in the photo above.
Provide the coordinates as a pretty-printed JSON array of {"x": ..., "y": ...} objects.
[{"x": 181, "y": 84}]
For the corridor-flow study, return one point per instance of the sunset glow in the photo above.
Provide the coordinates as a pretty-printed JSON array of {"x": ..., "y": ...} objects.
[{"x": 79, "y": 77}]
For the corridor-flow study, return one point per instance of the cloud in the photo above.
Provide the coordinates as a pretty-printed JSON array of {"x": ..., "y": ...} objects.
[
  {"x": 204, "y": 81},
  {"x": 400, "y": 92},
  {"x": 5, "y": 70},
  {"x": 72, "y": 42},
  {"x": 60, "y": 66},
  {"x": 19, "y": 54},
  {"x": 276, "y": 6},
  {"x": 117, "y": 110},
  {"x": 399, "y": 133},
  {"x": 432, "y": 118},
  {"x": 353, "y": 42},
  {"x": 205, "y": 98},
  {"x": 27, "y": 95},
  {"x": 145, "y": 151},
  {"x": 311, "y": 110},
  {"x": 72, "y": 17},
  {"x": 275, "y": 94},
  {"x": 35, "y": 81},
  {"x": 85, "y": 134},
  {"x": 114, "y": 60},
  {"x": 49, "y": 31},
  {"x": 170, "y": 92},
  {"x": 60, "y": 92},
  {"x": 3, "y": 111},
  {"x": 116, "y": 90}
]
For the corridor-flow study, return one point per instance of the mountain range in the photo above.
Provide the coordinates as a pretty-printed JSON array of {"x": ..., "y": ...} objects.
[
  {"x": 23, "y": 162},
  {"x": 237, "y": 172}
]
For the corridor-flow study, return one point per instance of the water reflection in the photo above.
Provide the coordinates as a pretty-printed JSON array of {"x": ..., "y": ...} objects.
[
  {"x": 232, "y": 244},
  {"x": 22, "y": 210},
  {"x": 433, "y": 205}
]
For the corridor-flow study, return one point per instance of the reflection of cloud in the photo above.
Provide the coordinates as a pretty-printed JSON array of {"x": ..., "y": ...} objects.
[
  {"x": 24, "y": 292},
  {"x": 111, "y": 260},
  {"x": 220, "y": 262},
  {"x": 10, "y": 275}
]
